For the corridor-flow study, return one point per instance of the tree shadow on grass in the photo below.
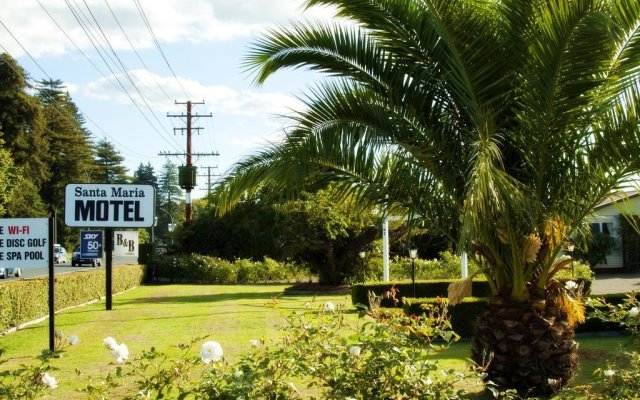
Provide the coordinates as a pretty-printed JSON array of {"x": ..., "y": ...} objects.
[{"x": 202, "y": 298}]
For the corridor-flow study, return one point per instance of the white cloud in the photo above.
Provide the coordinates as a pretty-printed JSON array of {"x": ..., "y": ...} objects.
[
  {"x": 172, "y": 21},
  {"x": 219, "y": 99}
]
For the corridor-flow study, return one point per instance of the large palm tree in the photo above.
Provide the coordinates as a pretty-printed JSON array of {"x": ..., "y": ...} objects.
[{"x": 503, "y": 122}]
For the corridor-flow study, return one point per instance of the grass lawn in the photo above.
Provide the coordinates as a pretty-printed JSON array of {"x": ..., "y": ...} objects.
[{"x": 163, "y": 316}]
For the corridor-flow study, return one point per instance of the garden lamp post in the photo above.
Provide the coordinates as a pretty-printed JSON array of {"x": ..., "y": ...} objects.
[
  {"x": 413, "y": 253},
  {"x": 570, "y": 249},
  {"x": 362, "y": 255}
]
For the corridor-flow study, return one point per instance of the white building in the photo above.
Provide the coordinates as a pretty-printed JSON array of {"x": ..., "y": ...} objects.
[{"x": 608, "y": 219}]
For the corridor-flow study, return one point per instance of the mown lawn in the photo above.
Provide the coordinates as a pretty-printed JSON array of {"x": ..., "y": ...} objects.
[{"x": 164, "y": 316}]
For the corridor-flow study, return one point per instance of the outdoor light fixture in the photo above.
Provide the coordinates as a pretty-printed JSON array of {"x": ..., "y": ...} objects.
[
  {"x": 413, "y": 254},
  {"x": 362, "y": 255},
  {"x": 570, "y": 249}
]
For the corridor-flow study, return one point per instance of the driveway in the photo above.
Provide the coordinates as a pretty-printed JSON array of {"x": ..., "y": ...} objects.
[{"x": 616, "y": 283}]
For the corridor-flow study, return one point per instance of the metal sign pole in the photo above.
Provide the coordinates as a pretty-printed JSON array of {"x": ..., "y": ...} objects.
[
  {"x": 52, "y": 306},
  {"x": 109, "y": 262}
]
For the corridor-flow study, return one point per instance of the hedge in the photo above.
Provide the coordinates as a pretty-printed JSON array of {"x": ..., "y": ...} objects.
[
  {"x": 197, "y": 268},
  {"x": 464, "y": 315},
  {"x": 425, "y": 289},
  {"x": 25, "y": 300},
  {"x": 430, "y": 288}
]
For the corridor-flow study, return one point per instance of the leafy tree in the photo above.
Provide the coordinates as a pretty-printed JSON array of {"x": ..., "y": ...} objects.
[
  {"x": 21, "y": 128},
  {"x": 247, "y": 231},
  {"x": 109, "y": 164},
  {"x": 503, "y": 123},
  {"x": 325, "y": 234}
]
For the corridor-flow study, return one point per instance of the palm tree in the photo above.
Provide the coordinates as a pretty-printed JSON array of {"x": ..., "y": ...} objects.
[{"x": 503, "y": 122}]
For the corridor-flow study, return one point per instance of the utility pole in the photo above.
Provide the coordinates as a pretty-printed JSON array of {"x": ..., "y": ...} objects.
[
  {"x": 187, "y": 174},
  {"x": 208, "y": 175}
]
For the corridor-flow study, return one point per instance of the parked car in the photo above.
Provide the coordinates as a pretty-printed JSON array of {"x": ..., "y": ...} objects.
[
  {"x": 59, "y": 254},
  {"x": 77, "y": 260},
  {"x": 5, "y": 272}
]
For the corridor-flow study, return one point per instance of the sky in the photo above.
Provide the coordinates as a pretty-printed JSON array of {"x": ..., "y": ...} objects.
[{"x": 126, "y": 62}]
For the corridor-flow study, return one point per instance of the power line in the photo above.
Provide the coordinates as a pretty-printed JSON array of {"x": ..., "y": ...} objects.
[
  {"x": 114, "y": 75},
  {"x": 63, "y": 112},
  {"x": 123, "y": 67},
  {"x": 136, "y": 51},
  {"x": 157, "y": 43}
]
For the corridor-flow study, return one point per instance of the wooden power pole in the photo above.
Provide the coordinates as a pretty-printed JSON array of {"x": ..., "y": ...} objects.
[{"x": 187, "y": 174}]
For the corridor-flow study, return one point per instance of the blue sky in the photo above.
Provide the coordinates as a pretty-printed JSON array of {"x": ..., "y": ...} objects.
[{"x": 204, "y": 41}]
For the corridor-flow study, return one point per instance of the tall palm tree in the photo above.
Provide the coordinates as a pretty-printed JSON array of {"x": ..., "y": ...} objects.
[{"x": 503, "y": 122}]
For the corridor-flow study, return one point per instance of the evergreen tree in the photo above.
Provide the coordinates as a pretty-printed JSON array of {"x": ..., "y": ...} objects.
[
  {"x": 170, "y": 204},
  {"x": 109, "y": 164},
  {"x": 145, "y": 175},
  {"x": 70, "y": 149},
  {"x": 22, "y": 129},
  {"x": 8, "y": 178}
]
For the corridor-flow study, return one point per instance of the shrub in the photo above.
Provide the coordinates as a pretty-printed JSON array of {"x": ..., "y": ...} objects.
[
  {"x": 368, "y": 360},
  {"x": 433, "y": 288},
  {"x": 196, "y": 268},
  {"x": 620, "y": 379},
  {"x": 464, "y": 315},
  {"x": 445, "y": 267},
  {"x": 26, "y": 300}
]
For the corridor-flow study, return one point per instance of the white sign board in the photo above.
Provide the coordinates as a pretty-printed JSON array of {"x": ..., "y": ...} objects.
[
  {"x": 125, "y": 244},
  {"x": 24, "y": 243},
  {"x": 109, "y": 205}
]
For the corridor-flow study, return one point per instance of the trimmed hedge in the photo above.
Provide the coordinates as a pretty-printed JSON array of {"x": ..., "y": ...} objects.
[
  {"x": 26, "y": 300},
  {"x": 431, "y": 288},
  {"x": 464, "y": 315},
  {"x": 426, "y": 289},
  {"x": 196, "y": 268}
]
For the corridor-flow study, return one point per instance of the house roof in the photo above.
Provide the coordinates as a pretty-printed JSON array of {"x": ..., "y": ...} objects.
[{"x": 619, "y": 196}]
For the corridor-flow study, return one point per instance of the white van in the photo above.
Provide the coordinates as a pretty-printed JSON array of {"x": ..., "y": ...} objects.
[{"x": 59, "y": 254}]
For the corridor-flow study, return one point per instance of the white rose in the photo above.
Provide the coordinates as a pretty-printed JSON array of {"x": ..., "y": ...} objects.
[
  {"x": 329, "y": 306},
  {"x": 633, "y": 312},
  {"x": 354, "y": 351},
  {"x": 211, "y": 352},
  {"x": 49, "y": 381}
]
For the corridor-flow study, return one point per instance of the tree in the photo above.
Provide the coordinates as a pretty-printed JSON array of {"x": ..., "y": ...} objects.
[
  {"x": 70, "y": 155},
  {"x": 145, "y": 175},
  {"x": 508, "y": 121},
  {"x": 8, "y": 178},
  {"x": 109, "y": 164},
  {"x": 21, "y": 128},
  {"x": 170, "y": 207}
]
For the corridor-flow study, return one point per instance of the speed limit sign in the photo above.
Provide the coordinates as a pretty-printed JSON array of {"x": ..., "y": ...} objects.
[{"x": 91, "y": 244}]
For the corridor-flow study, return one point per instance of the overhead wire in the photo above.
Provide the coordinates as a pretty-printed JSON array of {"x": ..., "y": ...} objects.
[
  {"x": 114, "y": 75},
  {"x": 157, "y": 43},
  {"x": 136, "y": 51},
  {"x": 61, "y": 110},
  {"x": 143, "y": 97}
]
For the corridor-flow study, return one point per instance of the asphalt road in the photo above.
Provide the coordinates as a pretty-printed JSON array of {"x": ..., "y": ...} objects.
[{"x": 59, "y": 269}]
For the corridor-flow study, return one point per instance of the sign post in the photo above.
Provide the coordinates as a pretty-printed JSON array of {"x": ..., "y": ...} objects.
[
  {"x": 26, "y": 243},
  {"x": 109, "y": 206}
]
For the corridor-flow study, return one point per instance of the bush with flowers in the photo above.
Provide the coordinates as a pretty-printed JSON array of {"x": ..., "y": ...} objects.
[
  {"x": 320, "y": 354},
  {"x": 620, "y": 379},
  {"x": 36, "y": 380}
]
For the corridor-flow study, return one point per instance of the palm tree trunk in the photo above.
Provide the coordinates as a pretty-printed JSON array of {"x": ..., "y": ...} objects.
[{"x": 524, "y": 347}]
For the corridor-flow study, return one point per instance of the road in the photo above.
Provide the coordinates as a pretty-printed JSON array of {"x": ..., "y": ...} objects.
[{"x": 59, "y": 269}]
